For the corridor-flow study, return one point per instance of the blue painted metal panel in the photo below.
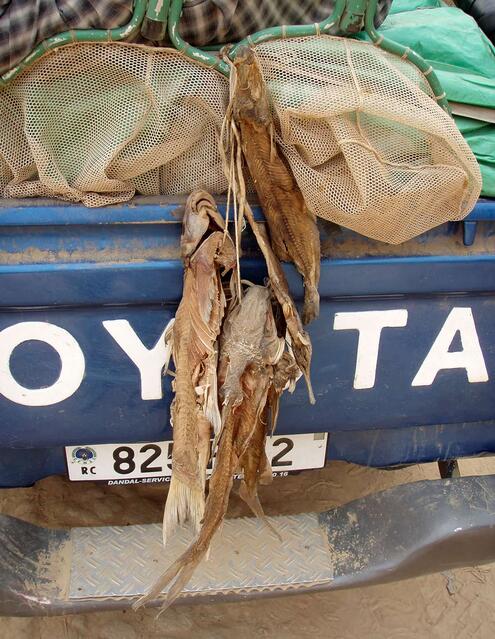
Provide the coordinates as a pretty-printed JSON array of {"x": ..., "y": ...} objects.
[
  {"x": 154, "y": 282},
  {"x": 378, "y": 447},
  {"x": 108, "y": 407},
  {"x": 41, "y": 212},
  {"x": 484, "y": 210},
  {"x": 389, "y": 447},
  {"x": 75, "y": 268}
]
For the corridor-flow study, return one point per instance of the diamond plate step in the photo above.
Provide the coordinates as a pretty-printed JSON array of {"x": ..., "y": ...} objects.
[
  {"x": 245, "y": 556},
  {"x": 409, "y": 530}
]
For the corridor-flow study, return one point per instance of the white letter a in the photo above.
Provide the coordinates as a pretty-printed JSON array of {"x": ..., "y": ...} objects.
[{"x": 439, "y": 357}]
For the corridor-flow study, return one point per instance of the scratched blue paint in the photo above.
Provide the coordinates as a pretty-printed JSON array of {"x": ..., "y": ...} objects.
[
  {"x": 391, "y": 423},
  {"x": 154, "y": 282},
  {"x": 143, "y": 209}
]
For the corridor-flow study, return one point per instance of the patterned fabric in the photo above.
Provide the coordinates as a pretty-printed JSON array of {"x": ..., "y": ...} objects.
[
  {"x": 25, "y": 23},
  {"x": 217, "y": 21}
]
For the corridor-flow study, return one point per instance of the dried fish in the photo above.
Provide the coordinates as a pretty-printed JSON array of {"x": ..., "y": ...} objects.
[
  {"x": 217, "y": 501},
  {"x": 300, "y": 341},
  {"x": 250, "y": 441},
  {"x": 195, "y": 410},
  {"x": 250, "y": 349},
  {"x": 254, "y": 464},
  {"x": 240, "y": 363},
  {"x": 293, "y": 231}
]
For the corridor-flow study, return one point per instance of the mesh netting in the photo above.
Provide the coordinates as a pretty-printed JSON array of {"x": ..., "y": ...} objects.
[
  {"x": 96, "y": 123},
  {"x": 368, "y": 146}
]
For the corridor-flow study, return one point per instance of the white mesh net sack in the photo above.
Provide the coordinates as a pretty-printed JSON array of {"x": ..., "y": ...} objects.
[
  {"x": 98, "y": 122},
  {"x": 367, "y": 145}
]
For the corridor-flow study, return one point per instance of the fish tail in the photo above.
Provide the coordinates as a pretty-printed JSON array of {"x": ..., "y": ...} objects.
[
  {"x": 311, "y": 308},
  {"x": 184, "y": 503},
  {"x": 181, "y": 570}
]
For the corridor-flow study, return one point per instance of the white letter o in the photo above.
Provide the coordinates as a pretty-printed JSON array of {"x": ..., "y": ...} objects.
[{"x": 71, "y": 358}]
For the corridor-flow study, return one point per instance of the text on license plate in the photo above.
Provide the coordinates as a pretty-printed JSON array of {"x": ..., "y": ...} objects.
[{"x": 151, "y": 462}]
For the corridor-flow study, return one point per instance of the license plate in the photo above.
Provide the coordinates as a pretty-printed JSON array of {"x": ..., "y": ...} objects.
[{"x": 151, "y": 462}]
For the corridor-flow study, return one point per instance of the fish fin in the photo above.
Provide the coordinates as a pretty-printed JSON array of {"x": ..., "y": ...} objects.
[
  {"x": 181, "y": 570},
  {"x": 311, "y": 308},
  {"x": 252, "y": 500},
  {"x": 169, "y": 345},
  {"x": 184, "y": 504}
]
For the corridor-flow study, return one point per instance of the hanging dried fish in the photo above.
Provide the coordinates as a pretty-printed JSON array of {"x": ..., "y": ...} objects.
[
  {"x": 250, "y": 368},
  {"x": 206, "y": 251},
  {"x": 250, "y": 450},
  {"x": 300, "y": 341},
  {"x": 221, "y": 481},
  {"x": 253, "y": 386},
  {"x": 250, "y": 350},
  {"x": 254, "y": 464},
  {"x": 293, "y": 231}
]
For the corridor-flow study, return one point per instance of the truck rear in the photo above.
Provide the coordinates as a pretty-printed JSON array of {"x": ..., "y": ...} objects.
[
  {"x": 402, "y": 373},
  {"x": 333, "y": 159}
]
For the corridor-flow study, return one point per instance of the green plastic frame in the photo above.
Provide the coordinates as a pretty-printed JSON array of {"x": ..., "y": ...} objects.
[
  {"x": 406, "y": 53},
  {"x": 348, "y": 17}
]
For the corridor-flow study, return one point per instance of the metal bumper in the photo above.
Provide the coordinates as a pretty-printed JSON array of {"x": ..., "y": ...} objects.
[{"x": 403, "y": 532}]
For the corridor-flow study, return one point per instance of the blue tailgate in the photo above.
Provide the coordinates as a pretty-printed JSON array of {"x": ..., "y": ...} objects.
[{"x": 404, "y": 349}]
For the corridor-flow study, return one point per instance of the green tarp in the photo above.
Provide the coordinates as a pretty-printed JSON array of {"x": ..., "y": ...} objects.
[
  {"x": 464, "y": 60},
  {"x": 481, "y": 138}
]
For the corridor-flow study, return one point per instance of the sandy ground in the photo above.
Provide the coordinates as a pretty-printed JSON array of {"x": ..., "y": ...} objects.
[{"x": 460, "y": 604}]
